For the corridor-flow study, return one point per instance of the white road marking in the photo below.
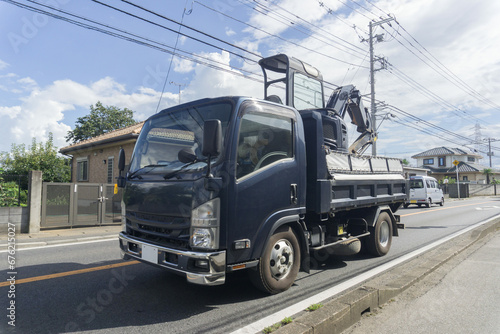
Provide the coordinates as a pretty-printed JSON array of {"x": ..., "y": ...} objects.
[
  {"x": 270, "y": 320},
  {"x": 58, "y": 245}
]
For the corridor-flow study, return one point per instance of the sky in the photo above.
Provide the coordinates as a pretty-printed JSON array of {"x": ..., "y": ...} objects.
[{"x": 439, "y": 85}]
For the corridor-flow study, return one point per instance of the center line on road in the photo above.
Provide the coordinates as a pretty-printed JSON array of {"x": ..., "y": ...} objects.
[{"x": 69, "y": 273}]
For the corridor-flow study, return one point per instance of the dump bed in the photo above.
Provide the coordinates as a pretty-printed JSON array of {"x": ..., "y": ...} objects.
[
  {"x": 364, "y": 181},
  {"x": 341, "y": 181}
]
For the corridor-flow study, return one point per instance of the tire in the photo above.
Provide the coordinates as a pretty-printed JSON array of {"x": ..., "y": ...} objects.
[
  {"x": 442, "y": 201},
  {"x": 428, "y": 204},
  {"x": 406, "y": 205},
  {"x": 280, "y": 263},
  {"x": 380, "y": 238}
]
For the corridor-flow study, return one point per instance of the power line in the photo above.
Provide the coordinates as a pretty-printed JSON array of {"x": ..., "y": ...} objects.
[
  {"x": 118, "y": 33},
  {"x": 183, "y": 34},
  {"x": 171, "y": 61},
  {"x": 274, "y": 35}
]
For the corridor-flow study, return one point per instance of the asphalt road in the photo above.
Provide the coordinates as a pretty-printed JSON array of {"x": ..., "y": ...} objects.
[{"x": 88, "y": 288}]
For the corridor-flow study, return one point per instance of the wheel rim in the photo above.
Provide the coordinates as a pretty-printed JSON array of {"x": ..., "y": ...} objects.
[
  {"x": 281, "y": 259},
  {"x": 384, "y": 233}
]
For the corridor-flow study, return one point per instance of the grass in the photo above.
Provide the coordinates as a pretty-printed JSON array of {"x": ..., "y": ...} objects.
[
  {"x": 278, "y": 325},
  {"x": 314, "y": 307}
]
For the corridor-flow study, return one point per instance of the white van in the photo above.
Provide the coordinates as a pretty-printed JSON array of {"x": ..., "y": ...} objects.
[{"x": 424, "y": 190}]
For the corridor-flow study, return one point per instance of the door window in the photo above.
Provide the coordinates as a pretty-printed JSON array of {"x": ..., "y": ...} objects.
[{"x": 264, "y": 139}]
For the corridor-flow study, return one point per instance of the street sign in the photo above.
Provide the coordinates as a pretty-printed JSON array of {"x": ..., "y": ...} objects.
[{"x": 456, "y": 162}]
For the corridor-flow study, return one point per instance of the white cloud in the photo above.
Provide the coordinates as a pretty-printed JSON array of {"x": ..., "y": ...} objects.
[
  {"x": 45, "y": 108},
  {"x": 11, "y": 112},
  {"x": 208, "y": 82},
  {"x": 230, "y": 32},
  {"x": 3, "y": 65},
  {"x": 27, "y": 83},
  {"x": 183, "y": 65}
]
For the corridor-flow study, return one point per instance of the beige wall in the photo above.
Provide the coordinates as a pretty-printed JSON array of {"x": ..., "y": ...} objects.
[{"x": 97, "y": 169}]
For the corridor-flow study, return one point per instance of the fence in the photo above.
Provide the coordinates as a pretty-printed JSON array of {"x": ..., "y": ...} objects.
[
  {"x": 469, "y": 189},
  {"x": 13, "y": 190},
  {"x": 79, "y": 204}
]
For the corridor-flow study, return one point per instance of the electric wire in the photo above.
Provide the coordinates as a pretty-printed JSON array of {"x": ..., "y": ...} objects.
[
  {"x": 135, "y": 38},
  {"x": 146, "y": 42},
  {"x": 276, "y": 36}
]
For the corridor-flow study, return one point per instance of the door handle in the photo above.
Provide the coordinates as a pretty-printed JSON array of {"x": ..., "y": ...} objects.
[{"x": 293, "y": 193}]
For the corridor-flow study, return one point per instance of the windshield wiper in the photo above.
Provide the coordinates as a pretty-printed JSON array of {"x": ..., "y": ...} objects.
[
  {"x": 134, "y": 174},
  {"x": 175, "y": 172}
]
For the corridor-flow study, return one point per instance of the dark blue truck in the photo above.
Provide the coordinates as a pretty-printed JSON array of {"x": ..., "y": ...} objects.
[{"x": 223, "y": 184}]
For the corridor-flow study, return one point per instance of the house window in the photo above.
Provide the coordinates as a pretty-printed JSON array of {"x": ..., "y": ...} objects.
[
  {"x": 429, "y": 161},
  {"x": 82, "y": 169},
  {"x": 466, "y": 178},
  {"x": 111, "y": 161},
  {"x": 442, "y": 161},
  {"x": 471, "y": 159}
]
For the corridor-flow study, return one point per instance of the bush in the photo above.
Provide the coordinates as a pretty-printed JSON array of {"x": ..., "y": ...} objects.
[{"x": 9, "y": 193}]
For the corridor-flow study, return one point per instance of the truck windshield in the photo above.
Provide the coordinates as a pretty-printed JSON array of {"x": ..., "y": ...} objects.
[{"x": 163, "y": 136}]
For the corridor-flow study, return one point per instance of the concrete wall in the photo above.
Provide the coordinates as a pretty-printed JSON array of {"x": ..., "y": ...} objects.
[
  {"x": 483, "y": 189},
  {"x": 15, "y": 215}
]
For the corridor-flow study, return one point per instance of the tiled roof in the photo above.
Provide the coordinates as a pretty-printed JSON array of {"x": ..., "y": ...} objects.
[
  {"x": 440, "y": 151},
  {"x": 128, "y": 132},
  {"x": 463, "y": 167}
]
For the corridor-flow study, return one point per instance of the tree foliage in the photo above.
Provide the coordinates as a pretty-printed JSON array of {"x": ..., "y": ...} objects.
[
  {"x": 488, "y": 172},
  {"x": 101, "y": 119},
  {"x": 39, "y": 156}
]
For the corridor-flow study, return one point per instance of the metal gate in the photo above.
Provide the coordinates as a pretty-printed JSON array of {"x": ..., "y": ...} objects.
[{"x": 79, "y": 204}]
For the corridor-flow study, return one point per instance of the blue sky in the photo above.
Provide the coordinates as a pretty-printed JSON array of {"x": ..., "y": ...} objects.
[{"x": 51, "y": 71}]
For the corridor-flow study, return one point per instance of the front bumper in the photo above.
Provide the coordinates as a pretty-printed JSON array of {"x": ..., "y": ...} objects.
[{"x": 199, "y": 267}]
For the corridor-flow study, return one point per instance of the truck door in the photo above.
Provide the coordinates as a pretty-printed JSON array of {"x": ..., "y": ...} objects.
[{"x": 267, "y": 183}]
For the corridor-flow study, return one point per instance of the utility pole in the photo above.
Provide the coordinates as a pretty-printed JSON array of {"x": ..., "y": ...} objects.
[
  {"x": 180, "y": 85},
  {"x": 372, "y": 73},
  {"x": 490, "y": 154}
]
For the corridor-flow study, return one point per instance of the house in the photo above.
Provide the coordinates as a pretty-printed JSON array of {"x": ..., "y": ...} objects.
[
  {"x": 440, "y": 163},
  {"x": 95, "y": 160}
]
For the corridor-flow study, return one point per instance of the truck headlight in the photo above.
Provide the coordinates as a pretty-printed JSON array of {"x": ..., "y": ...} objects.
[{"x": 205, "y": 223}]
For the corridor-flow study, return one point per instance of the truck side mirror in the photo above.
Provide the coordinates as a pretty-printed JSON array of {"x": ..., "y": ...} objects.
[
  {"x": 121, "y": 160},
  {"x": 212, "y": 138},
  {"x": 120, "y": 181},
  {"x": 212, "y": 144}
]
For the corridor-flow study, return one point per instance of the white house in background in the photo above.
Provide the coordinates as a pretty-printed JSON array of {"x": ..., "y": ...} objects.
[{"x": 439, "y": 162}]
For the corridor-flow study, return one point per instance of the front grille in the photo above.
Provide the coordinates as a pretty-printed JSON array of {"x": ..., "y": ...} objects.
[{"x": 159, "y": 229}]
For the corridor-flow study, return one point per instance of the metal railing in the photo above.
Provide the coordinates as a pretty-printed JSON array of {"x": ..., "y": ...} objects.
[{"x": 13, "y": 190}]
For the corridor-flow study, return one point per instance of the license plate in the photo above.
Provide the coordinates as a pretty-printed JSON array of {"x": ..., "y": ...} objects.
[
  {"x": 413, "y": 201},
  {"x": 340, "y": 230},
  {"x": 150, "y": 254}
]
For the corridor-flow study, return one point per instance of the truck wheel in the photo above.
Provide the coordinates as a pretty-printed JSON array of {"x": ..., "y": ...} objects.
[
  {"x": 428, "y": 204},
  {"x": 279, "y": 265},
  {"x": 380, "y": 239},
  {"x": 442, "y": 201}
]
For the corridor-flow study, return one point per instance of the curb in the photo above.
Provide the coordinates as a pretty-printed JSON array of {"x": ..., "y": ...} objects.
[{"x": 340, "y": 313}]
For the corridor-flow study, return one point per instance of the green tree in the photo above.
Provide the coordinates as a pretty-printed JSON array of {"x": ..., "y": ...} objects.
[
  {"x": 406, "y": 162},
  {"x": 487, "y": 172},
  {"x": 39, "y": 156},
  {"x": 101, "y": 119}
]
